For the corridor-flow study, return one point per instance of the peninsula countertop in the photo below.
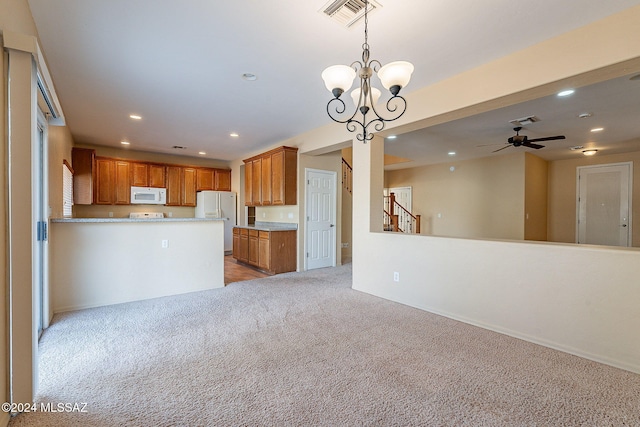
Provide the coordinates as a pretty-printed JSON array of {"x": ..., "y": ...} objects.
[
  {"x": 136, "y": 220},
  {"x": 270, "y": 226}
]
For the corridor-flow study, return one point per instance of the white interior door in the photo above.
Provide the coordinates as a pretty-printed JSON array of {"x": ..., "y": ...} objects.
[
  {"x": 403, "y": 196},
  {"x": 604, "y": 201},
  {"x": 321, "y": 219}
]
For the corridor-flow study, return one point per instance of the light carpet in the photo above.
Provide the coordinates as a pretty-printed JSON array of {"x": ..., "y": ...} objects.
[{"x": 304, "y": 349}]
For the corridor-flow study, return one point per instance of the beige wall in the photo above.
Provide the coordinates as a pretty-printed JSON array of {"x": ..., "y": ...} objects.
[
  {"x": 535, "y": 197},
  {"x": 480, "y": 198},
  {"x": 105, "y": 151},
  {"x": 562, "y": 194},
  {"x": 90, "y": 269}
]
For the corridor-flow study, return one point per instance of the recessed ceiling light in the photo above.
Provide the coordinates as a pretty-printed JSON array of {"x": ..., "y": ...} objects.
[
  {"x": 202, "y": 153},
  {"x": 392, "y": 137},
  {"x": 250, "y": 77},
  {"x": 584, "y": 115},
  {"x": 597, "y": 129},
  {"x": 135, "y": 117},
  {"x": 233, "y": 135},
  {"x": 125, "y": 142},
  {"x": 589, "y": 152},
  {"x": 451, "y": 153},
  {"x": 566, "y": 92}
]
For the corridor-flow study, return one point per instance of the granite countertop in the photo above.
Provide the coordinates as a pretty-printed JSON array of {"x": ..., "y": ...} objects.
[
  {"x": 270, "y": 226},
  {"x": 121, "y": 220}
]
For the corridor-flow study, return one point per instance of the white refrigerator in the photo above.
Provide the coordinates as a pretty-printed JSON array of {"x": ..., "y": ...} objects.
[{"x": 219, "y": 204}]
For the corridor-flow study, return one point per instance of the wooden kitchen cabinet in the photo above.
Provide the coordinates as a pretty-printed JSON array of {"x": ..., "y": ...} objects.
[
  {"x": 108, "y": 181},
  {"x": 271, "y": 178},
  {"x": 205, "y": 179},
  {"x": 236, "y": 242},
  {"x": 248, "y": 183},
  {"x": 104, "y": 181},
  {"x": 147, "y": 175},
  {"x": 253, "y": 247},
  {"x": 222, "y": 180},
  {"x": 271, "y": 251},
  {"x": 139, "y": 174},
  {"x": 188, "y": 186},
  {"x": 284, "y": 176},
  {"x": 256, "y": 186},
  {"x": 157, "y": 175},
  {"x": 174, "y": 185},
  {"x": 265, "y": 188},
  {"x": 112, "y": 184},
  {"x": 264, "y": 252},
  {"x": 243, "y": 245},
  {"x": 82, "y": 161},
  {"x": 122, "y": 186}
]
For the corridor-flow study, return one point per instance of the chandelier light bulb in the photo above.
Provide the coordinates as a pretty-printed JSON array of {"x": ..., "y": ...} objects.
[
  {"x": 338, "y": 78},
  {"x": 394, "y": 74},
  {"x": 366, "y": 102}
]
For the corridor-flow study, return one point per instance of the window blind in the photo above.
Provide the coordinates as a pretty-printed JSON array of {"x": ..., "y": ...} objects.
[{"x": 67, "y": 191}]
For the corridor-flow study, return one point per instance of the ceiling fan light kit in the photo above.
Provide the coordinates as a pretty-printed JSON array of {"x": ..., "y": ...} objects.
[
  {"x": 591, "y": 152},
  {"x": 393, "y": 77}
]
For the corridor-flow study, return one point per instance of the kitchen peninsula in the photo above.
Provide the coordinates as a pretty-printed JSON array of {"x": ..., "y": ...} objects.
[{"x": 102, "y": 261}]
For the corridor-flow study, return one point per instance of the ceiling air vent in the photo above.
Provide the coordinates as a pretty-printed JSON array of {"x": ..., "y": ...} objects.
[
  {"x": 347, "y": 12},
  {"x": 523, "y": 121}
]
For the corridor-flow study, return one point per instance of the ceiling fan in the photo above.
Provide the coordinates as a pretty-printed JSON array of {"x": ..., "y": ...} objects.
[{"x": 517, "y": 140}]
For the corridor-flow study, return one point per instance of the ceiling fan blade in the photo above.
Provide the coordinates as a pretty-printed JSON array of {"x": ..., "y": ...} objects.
[
  {"x": 530, "y": 145},
  {"x": 488, "y": 145},
  {"x": 500, "y": 149},
  {"x": 548, "y": 138}
]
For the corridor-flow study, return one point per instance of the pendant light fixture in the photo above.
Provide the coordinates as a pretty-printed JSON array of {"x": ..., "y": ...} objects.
[{"x": 339, "y": 79}]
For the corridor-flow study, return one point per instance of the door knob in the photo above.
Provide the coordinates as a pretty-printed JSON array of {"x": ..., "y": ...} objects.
[
  {"x": 334, "y": 226},
  {"x": 624, "y": 225}
]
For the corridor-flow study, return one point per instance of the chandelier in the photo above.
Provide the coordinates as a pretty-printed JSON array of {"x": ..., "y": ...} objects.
[{"x": 339, "y": 79}]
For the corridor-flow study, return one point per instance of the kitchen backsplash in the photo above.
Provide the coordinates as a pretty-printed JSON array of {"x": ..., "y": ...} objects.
[
  {"x": 123, "y": 211},
  {"x": 287, "y": 213}
]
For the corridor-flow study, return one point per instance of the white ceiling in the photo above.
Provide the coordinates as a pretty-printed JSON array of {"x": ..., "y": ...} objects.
[
  {"x": 613, "y": 105},
  {"x": 178, "y": 64}
]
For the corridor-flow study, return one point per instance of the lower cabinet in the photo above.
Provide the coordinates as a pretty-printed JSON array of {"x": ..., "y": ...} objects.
[{"x": 271, "y": 251}]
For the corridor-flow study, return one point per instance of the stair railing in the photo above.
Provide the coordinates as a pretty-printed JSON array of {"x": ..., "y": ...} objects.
[
  {"x": 397, "y": 218},
  {"x": 347, "y": 176}
]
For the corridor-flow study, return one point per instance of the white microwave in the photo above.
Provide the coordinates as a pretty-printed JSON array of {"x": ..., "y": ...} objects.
[{"x": 148, "y": 196}]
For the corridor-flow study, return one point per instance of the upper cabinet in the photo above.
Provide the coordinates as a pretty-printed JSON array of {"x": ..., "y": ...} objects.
[
  {"x": 222, "y": 179},
  {"x": 108, "y": 181},
  {"x": 271, "y": 178},
  {"x": 148, "y": 175},
  {"x": 112, "y": 185},
  {"x": 82, "y": 160}
]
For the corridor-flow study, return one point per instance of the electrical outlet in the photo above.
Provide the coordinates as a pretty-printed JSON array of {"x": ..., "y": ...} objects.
[
  {"x": 396, "y": 276},
  {"x": 170, "y": 214},
  {"x": 165, "y": 243},
  {"x": 110, "y": 214}
]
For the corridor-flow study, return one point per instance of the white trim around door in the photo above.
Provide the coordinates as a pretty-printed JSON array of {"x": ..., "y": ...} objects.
[{"x": 320, "y": 219}]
